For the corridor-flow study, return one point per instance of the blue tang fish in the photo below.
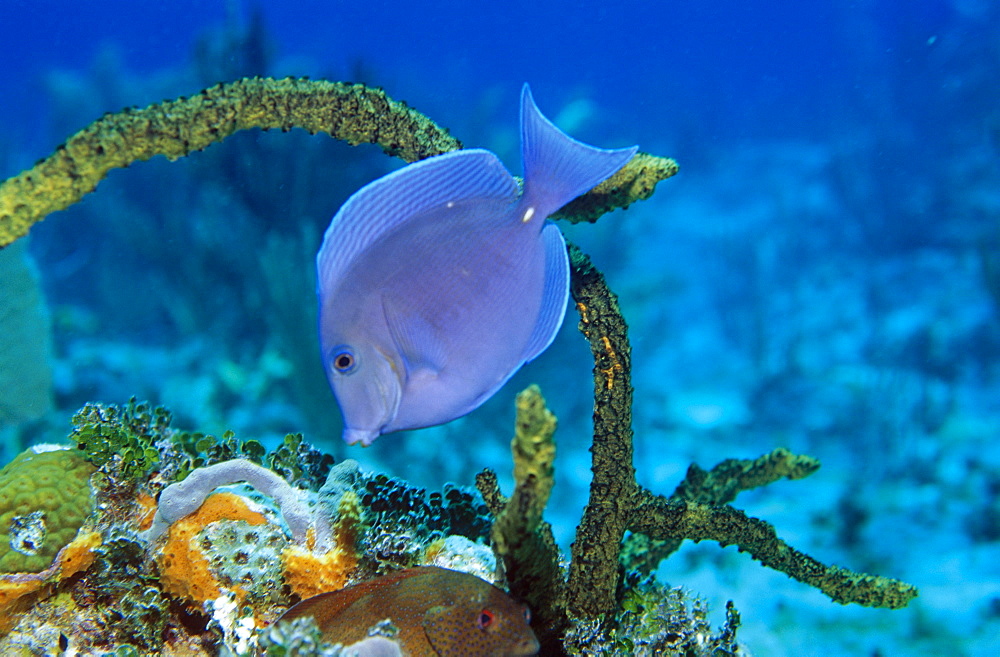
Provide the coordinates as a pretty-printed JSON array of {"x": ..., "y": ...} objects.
[{"x": 439, "y": 280}]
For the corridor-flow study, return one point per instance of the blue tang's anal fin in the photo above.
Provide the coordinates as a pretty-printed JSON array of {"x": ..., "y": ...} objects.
[{"x": 555, "y": 293}]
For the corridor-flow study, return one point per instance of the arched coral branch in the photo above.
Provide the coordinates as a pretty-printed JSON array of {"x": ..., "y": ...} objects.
[{"x": 174, "y": 128}]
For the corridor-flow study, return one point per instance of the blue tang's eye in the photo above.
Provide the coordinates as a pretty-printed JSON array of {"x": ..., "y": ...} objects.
[{"x": 343, "y": 361}]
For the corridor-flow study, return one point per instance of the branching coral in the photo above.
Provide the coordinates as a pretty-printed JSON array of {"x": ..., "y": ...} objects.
[
  {"x": 354, "y": 113},
  {"x": 698, "y": 509},
  {"x": 720, "y": 485}
]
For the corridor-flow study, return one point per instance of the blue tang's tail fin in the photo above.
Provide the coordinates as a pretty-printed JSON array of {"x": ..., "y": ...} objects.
[{"x": 558, "y": 168}]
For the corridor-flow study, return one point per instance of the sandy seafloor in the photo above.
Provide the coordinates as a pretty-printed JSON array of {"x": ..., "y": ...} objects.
[{"x": 802, "y": 290}]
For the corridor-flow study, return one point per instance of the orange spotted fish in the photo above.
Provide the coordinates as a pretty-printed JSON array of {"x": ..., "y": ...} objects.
[{"x": 438, "y": 612}]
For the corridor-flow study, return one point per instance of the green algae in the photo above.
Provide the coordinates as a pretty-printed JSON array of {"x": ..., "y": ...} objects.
[
  {"x": 122, "y": 437},
  {"x": 134, "y": 440}
]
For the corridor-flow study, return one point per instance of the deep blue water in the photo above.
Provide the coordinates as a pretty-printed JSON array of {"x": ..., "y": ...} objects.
[
  {"x": 797, "y": 64},
  {"x": 824, "y": 274}
]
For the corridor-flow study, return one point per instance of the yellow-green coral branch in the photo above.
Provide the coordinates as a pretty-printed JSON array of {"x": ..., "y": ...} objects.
[
  {"x": 354, "y": 113},
  {"x": 534, "y": 450},
  {"x": 721, "y": 484},
  {"x": 520, "y": 536}
]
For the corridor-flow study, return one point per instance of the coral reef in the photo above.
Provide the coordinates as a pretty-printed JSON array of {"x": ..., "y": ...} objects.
[
  {"x": 215, "y": 551},
  {"x": 225, "y": 550},
  {"x": 235, "y": 556}
]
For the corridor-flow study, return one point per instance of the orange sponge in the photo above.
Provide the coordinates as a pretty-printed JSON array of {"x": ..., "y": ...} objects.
[{"x": 185, "y": 571}]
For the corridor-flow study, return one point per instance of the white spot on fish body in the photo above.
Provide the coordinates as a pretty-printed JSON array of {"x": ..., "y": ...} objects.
[
  {"x": 450, "y": 204},
  {"x": 528, "y": 214}
]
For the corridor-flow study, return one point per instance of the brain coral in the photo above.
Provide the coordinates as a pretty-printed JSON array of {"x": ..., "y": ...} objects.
[{"x": 44, "y": 499}]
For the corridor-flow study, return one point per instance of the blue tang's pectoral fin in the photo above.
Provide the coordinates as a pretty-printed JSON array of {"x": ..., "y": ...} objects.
[
  {"x": 558, "y": 168},
  {"x": 555, "y": 294},
  {"x": 418, "y": 343}
]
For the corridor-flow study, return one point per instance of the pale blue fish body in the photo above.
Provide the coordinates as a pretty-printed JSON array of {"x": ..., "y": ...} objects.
[{"x": 439, "y": 280}]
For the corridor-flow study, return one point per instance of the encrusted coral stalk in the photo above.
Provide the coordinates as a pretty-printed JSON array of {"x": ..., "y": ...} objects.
[
  {"x": 351, "y": 112},
  {"x": 725, "y": 481},
  {"x": 662, "y": 518},
  {"x": 593, "y": 573},
  {"x": 633, "y": 182},
  {"x": 720, "y": 485}
]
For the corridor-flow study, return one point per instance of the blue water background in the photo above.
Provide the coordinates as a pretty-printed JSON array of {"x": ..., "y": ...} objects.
[{"x": 823, "y": 274}]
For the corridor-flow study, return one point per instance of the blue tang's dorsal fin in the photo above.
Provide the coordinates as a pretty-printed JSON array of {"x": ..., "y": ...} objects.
[
  {"x": 558, "y": 168},
  {"x": 383, "y": 205}
]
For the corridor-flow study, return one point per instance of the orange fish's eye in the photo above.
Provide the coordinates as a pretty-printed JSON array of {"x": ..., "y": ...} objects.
[{"x": 485, "y": 619}]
